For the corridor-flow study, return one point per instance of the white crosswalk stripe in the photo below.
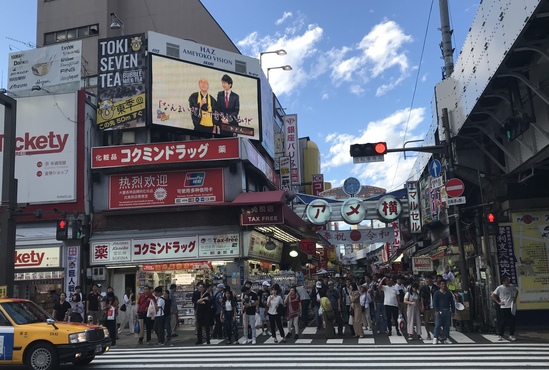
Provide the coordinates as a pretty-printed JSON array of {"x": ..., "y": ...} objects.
[{"x": 276, "y": 356}]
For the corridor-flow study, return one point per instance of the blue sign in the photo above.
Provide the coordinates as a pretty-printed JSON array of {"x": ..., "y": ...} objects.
[{"x": 435, "y": 168}]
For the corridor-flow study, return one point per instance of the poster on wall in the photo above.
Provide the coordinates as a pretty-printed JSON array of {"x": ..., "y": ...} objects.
[
  {"x": 264, "y": 248},
  {"x": 183, "y": 247},
  {"x": 204, "y": 100},
  {"x": 121, "y": 82},
  {"x": 166, "y": 188},
  {"x": 530, "y": 243},
  {"x": 220, "y": 245}
]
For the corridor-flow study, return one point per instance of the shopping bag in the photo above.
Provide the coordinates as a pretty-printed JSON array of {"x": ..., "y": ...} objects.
[
  {"x": 111, "y": 314},
  {"x": 151, "y": 311},
  {"x": 136, "y": 327},
  {"x": 400, "y": 321},
  {"x": 350, "y": 320},
  {"x": 258, "y": 321}
]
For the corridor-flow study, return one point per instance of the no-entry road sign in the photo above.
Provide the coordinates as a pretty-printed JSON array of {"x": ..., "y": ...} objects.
[{"x": 454, "y": 187}]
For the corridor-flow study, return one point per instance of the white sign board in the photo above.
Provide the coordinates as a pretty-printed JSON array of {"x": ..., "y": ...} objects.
[
  {"x": 45, "y": 162},
  {"x": 26, "y": 258},
  {"x": 55, "y": 68},
  {"x": 437, "y": 182},
  {"x": 454, "y": 201},
  {"x": 422, "y": 264}
]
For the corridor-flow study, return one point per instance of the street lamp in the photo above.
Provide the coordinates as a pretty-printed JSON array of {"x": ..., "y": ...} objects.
[
  {"x": 116, "y": 23},
  {"x": 9, "y": 196},
  {"x": 277, "y": 52},
  {"x": 286, "y": 68}
]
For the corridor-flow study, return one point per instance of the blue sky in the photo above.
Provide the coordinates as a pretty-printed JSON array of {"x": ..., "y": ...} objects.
[{"x": 355, "y": 67}]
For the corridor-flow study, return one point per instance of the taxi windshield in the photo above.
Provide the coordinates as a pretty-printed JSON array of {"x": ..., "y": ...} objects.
[{"x": 25, "y": 312}]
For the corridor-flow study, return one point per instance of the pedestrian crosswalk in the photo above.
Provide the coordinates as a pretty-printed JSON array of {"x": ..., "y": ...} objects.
[{"x": 330, "y": 356}]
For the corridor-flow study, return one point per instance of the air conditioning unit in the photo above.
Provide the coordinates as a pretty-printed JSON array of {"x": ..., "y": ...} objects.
[{"x": 98, "y": 273}]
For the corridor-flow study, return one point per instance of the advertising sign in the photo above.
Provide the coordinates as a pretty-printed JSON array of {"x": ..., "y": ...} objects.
[
  {"x": 54, "y": 68},
  {"x": 359, "y": 236},
  {"x": 222, "y": 245},
  {"x": 291, "y": 146},
  {"x": 388, "y": 208},
  {"x": 318, "y": 184},
  {"x": 260, "y": 249},
  {"x": 285, "y": 173},
  {"x": 26, "y": 258},
  {"x": 259, "y": 162},
  {"x": 182, "y": 248},
  {"x": 270, "y": 214},
  {"x": 193, "y": 97},
  {"x": 45, "y": 162},
  {"x": 181, "y": 278},
  {"x": 162, "y": 189},
  {"x": 110, "y": 252},
  {"x": 413, "y": 206},
  {"x": 121, "y": 82},
  {"x": 530, "y": 244},
  {"x": 422, "y": 264},
  {"x": 162, "y": 153},
  {"x": 72, "y": 269}
]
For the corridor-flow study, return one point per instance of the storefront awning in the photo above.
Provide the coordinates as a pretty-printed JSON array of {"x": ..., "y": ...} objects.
[{"x": 262, "y": 197}]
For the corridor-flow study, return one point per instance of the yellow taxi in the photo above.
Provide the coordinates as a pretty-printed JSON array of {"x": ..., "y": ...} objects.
[{"x": 30, "y": 336}]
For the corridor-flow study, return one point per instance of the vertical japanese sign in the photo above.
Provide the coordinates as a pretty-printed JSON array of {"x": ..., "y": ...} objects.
[
  {"x": 291, "y": 146},
  {"x": 285, "y": 173},
  {"x": 121, "y": 82},
  {"x": 395, "y": 245},
  {"x": 413, "y": 205},
  {"x": 71, "y": 270},
  {"x": 506, "y": 254},
  {"x": 318, "y": 184}
]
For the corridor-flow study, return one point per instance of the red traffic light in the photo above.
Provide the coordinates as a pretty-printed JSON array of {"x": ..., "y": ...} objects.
[
  {"x": 62, "y": 224},
  {"x": 491, "y": 218},
  {"x": 380, "y": 148}
]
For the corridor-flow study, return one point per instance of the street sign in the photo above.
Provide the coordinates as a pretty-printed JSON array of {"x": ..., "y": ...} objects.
[
  {"x": 437, "y": 182},
  {"x": 456, "y": 200},
  {"x": 435, "y": 168},
  {"x": 376, "y": 158},
  {"x": 454, "y": 187}
]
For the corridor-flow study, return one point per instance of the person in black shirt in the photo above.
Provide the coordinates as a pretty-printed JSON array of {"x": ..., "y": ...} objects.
[
  {"x": 426, "y": 293},
  {"x": 62, "y": 308},
  {"x": 92, "y": 304},
  {"x": 202, "y": 313},
  {"x": 250, "y": 302},
  {"x": 168, "y": 315}
]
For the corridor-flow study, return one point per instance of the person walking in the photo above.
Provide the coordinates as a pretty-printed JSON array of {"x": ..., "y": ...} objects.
[
  {"x": 413, "y": 311},
  {"x": 128, "y": 317},
  {"x": 250, "y": 304},
  {"x": 365, "y": 300},
  {"x": 505, "y": 296},
  {"x": 145, "y": 322},
  {"x": 305, "y": 304},
  {"x": 167, "y": 314},
  {"x": 273, "y": 302},
  {"x": 111, "y": 311},
  {"x": 159, "y": 318},
  {"x": 216, "y": 304},
  {"x": 390, "y": 302},
  {"x": 327, "y": 315},
  {"x": 203, "y": 314},
  {"x": 77, "y": 309},
  {"x": 443, "y": 303},
  {"x": 380, "y": 314},
  {"x": 228, "y": 316},
  {"x": 356, "y": 311},
  {"x": 335, "y": 300},
  {"x": 426, "y": 293},
  {"x": 174, "y": 310},
  {"x": 293, "y": 307}
]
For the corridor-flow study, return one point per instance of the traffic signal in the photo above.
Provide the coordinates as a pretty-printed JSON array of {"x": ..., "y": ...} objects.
[
  {"x": 77, "y": 229},
  {"x": 368, "y": 149},
  {"x": 491, "y": 223},
  {"x": 62, "y": 230}
]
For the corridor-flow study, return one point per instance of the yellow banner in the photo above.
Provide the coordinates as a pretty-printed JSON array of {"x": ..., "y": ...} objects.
[
  {"x": 111, "y": 114},
  {"x": 531, "y": 246}
]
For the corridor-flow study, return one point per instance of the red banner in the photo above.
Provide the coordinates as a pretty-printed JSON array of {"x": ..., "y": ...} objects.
[
  {"x": 161, "y": 153},
  {"x": 166, "y": 188},
  {"x": 197, "y": 265}
]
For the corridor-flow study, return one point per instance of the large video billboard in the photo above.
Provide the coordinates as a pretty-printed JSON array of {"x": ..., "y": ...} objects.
[{"x": 192, "y": 97}]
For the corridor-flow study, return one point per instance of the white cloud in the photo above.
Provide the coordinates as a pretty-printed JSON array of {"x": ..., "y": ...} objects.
[
  {"x": 356, "y": 89},
  {"x": 389, "y": 174},
  {"x": 285, "y": 16},
  {"x": 325, "y": 96}
]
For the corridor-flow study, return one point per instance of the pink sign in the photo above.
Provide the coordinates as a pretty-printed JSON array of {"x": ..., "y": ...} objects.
[{"x": 160, "y": 189}]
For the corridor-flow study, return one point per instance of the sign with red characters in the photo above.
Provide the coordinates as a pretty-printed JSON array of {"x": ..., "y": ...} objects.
[
  {"x": 162, "y": 153},
  {"x": 196, "y": 265},
  {"x": 166, "y": 188}
]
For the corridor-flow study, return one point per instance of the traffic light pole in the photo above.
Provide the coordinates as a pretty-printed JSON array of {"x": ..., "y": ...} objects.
[{"x": 9, "y": 196}]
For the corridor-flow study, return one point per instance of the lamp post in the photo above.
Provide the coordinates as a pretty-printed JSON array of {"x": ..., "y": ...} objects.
[
  {"x": 286, "y": 68},
  {"x": 277, "y": 52},
  {"x": 9, "y": 195},
  {"x": 116, "y": 23}
]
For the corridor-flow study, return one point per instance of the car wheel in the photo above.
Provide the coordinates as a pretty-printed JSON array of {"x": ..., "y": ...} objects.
[
  {"x": 83, "y": 360},
  {"x": 42, "y": 356}
]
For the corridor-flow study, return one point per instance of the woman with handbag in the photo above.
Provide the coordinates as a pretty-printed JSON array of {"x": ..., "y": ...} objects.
[
  {"x": 77, "y": 309},
  {"x": 128, "y": 311},
  {"x": 413, "y": 311},
  {"x": 293, "y": 304},
  {"x": 274, "y": 304},
  {"x": 228, "y": 316},
  {"x": 111, "y": 311},
  {"x": 356, "y": 311},
  {"x": 328, "y": 315},
  {"x": 365, "y": 300}
]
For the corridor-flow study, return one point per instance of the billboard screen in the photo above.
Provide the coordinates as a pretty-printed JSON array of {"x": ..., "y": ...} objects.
[{"x": 192, "y": 97}]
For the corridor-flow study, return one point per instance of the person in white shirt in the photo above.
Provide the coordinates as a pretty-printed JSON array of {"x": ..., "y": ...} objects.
[
  {"x": 159, "y": 318},
  {"x": 505, "y": 296},
  {"x": 390, "y": 302},
  {"x": 273, "y": 302},
  {"x": 128, "y": 315}
]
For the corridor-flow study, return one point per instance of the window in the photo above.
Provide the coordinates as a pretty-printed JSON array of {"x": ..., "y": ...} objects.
[{"x": 71, "y": 34}]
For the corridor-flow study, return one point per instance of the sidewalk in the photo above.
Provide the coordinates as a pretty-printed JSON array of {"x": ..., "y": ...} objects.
[{"x": 185, "y": 336}]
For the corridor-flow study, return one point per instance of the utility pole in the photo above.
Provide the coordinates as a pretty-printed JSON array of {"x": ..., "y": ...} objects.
[
  {"x": 446, "y": 44},
  {"x": 9, "y": 196}
]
